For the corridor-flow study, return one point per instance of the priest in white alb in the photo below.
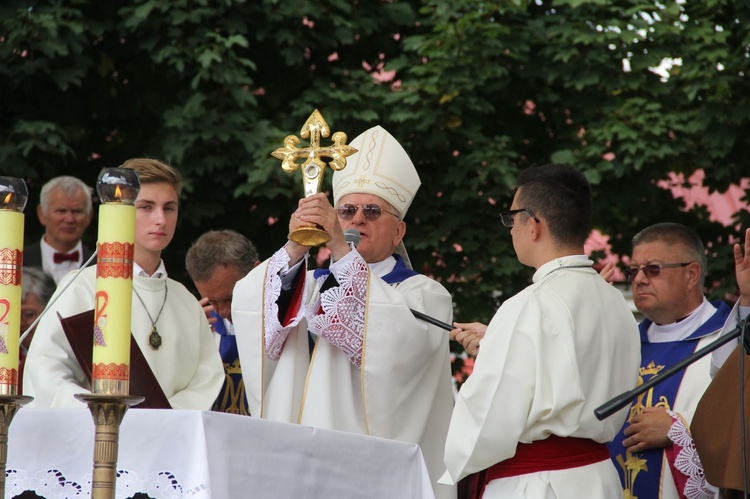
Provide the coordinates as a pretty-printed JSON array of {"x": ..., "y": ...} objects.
[
  {"x": 351, "y": 357},
  {"x": 524, "y": 424}
]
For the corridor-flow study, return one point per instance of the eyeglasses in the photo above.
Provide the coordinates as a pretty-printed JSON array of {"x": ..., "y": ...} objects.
[
  {"x": 508, "y": 220},
  {"x": 371, "y": 212},
  {"x": 652, "y": 270}
]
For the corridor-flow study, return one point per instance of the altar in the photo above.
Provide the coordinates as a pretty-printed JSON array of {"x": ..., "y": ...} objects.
[{"x": 195, "y": 454}]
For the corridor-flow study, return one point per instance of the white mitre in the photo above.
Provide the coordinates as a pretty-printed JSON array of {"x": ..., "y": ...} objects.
[{"x": 380, "y": 167}]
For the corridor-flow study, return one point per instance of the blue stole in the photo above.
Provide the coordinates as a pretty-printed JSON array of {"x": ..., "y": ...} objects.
[
  {"x": 400, "y": 272},
  {"x": 232, "y": 397},
  {"x": 640, "y": 473}
]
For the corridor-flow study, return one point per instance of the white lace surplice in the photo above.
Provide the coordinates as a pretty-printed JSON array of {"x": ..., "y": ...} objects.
[{"x": 685, "y": 460}]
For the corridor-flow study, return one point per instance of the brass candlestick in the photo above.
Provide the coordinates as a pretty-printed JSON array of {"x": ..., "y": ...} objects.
[
  {"x": 13, "y": 197},
  {"x": 9, "y": 405},
  {"x": 107, "y": 412}
]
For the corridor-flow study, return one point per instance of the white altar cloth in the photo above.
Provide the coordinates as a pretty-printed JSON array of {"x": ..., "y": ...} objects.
[{"x": 179, "y": 453}]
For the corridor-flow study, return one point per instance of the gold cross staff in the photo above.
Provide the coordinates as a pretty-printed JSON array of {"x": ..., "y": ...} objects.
[{"x": 313, "y": 167}]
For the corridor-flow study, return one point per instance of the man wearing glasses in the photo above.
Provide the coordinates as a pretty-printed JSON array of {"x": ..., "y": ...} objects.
[
  {"x": 653, "y": 451},
  {"x": 341, "y": 349},
  {"x": 523, "y": 425}
]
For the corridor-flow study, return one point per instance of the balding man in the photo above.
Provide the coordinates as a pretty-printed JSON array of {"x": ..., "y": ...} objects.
[{"x": 215, "y": 262}]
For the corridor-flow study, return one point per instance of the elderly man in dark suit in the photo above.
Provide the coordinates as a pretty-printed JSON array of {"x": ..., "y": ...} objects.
[{"x": 65, "y": 210}]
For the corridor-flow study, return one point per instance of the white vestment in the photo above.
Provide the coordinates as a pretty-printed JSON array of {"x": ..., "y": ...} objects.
[
  {"x": 388, "y": 375},
  {"x": 187, "y": 364},
  {"x": 552, "y": 354}
]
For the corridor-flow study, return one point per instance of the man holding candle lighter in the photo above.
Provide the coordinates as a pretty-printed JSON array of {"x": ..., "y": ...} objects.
[
  {"x": 168, "y": 324},
  {"x": 523, "y": 425}
]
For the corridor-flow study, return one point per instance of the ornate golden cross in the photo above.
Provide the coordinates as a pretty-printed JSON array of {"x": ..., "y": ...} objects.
[{"x": 314, "y": 165}]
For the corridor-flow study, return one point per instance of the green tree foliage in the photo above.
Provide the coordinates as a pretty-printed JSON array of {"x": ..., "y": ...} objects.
[{"x": 475, "y": 90}]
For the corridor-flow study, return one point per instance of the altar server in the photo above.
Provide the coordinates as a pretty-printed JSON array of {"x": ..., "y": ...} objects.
[
  {"x": 168, "y": 323},
  {"x": 524, "y": 425}
]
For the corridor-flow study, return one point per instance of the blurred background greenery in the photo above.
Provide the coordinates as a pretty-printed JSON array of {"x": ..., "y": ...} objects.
[{"x": 626, "y": 90}]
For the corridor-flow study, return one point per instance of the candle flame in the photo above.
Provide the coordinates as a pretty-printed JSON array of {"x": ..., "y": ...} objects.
[
  {"x": 118, "y": 192},
  {"x": 8, "y": 198}
]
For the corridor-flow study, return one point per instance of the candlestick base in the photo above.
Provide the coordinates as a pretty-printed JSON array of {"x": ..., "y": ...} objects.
[
  {"x": 9, "y": 405},
  {"x": 111, "y": 387},
  {"x": 107, "y": 412}
]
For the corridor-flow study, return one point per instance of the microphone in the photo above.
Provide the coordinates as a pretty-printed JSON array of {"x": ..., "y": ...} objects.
[{"x": 353, "y": 236}]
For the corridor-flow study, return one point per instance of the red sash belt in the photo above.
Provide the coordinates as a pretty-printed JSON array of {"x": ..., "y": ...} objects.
[{"x": 551, "y": 454}]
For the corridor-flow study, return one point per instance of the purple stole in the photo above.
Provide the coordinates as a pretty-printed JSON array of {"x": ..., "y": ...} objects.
[
  {"x": 641, "y": 473},
  {"x": 232, "y": 396}
]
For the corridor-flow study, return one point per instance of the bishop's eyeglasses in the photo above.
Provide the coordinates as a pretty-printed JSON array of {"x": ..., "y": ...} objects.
[
  {"x": 507, "y": 216},
  {"x": 371, "y": 212},
  {"x": 652, "y": 269}
]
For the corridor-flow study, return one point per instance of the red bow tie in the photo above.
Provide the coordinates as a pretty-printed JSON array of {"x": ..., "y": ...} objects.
[{"x": 65, "y": 257}]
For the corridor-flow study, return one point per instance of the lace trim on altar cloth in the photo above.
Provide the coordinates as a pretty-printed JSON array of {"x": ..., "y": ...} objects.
[
  {"x": 342, "y": 321},
  {"x": 55, "y": 484},
  {"x": 275, "y": 333},
  {"x": 688, "y": 462}
]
